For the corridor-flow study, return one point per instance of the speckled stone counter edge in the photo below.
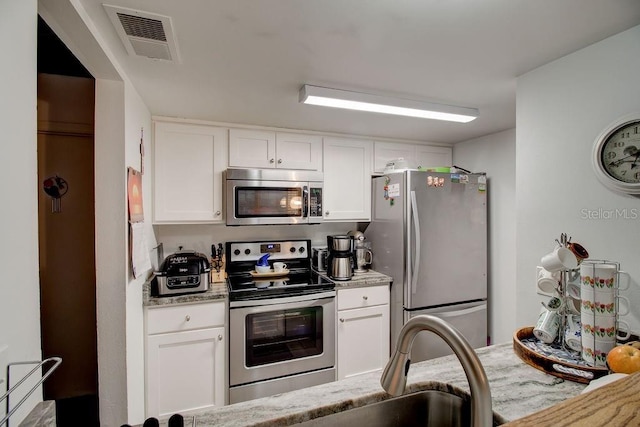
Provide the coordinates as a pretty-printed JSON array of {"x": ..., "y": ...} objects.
[{"x": 42, "y": 415}]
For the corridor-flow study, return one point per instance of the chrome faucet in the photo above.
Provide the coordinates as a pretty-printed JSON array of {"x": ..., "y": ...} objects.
[{"x": 394, "y": 377}]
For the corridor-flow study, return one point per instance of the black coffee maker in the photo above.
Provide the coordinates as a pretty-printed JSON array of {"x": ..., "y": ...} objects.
[{"x": 341, "y": 260}]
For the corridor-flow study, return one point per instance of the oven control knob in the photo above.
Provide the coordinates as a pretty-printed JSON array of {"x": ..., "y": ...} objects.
[
  {"x": 236, "y": 252},
  {"x": 292, "y": 249},
  {"x": 301, "y": 250},
  {"x": 247, "y": 251}
]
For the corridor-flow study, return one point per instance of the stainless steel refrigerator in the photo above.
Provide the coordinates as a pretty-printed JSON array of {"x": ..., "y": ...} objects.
[{"x": 429, "y": 233}]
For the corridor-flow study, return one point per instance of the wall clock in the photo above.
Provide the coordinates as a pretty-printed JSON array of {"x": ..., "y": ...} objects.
[{"x": 616, "y": 155}]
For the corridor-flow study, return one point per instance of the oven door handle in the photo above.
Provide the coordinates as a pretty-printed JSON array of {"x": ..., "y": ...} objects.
[
  {"x": 283, "y": 300},
  {"x": 305, "y": 201}
]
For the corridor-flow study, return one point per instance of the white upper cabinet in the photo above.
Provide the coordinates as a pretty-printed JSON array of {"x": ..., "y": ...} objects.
[
  {"x": 263, "y": 149},
  {"x": 429, "y": 156},
  {"x": 417, "y": 156},
  {"x": 187, "y": 173},
  {"x": 298, "y": 151},
  {"x": 347, "y": 179},
  {"x": 386, "y": 151},
  {"x": 252, "y": 148}
]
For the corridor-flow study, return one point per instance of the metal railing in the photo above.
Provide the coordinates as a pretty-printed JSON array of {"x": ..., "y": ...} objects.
[{"x": 56, "y": 362}]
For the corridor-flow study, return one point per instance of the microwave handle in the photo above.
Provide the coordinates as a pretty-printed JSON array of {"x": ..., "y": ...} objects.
[{"x": 305, "y": 201}]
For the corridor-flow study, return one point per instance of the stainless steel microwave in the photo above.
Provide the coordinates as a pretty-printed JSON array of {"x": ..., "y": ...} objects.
[{"x": 273, "y": 196}]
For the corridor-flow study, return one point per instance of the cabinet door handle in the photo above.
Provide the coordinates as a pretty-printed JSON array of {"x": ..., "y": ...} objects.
[
  {"x": 364, "y": 297},
  {"x": 342, "y": 320},
  {"x": 218, "y": 213},
  {"x": 279, "y": 161},
  {"x": 187, "y": 317},
  {"x": 326, "y": 213},
  {"x": 271, "y": 160},
  {"x": 219, "y": 337}
]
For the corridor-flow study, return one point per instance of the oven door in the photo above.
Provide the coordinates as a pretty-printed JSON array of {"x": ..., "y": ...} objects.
[
  {"x": 280, "y": 337},
  {"x": 253, "y": 202}
]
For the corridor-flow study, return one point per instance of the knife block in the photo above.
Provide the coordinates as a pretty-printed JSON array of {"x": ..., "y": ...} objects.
[{"x": 219, "y": 276}]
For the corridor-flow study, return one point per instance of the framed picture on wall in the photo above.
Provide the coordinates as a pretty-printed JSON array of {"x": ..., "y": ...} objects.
[{"x": 134, "y": 195}]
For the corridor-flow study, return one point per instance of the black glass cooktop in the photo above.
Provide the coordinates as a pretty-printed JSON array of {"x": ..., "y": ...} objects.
[{"x": 244, "y": 286}]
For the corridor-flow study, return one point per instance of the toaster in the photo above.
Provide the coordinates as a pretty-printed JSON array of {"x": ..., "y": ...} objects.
[
  {"x": 182, "y": 272},
  {"x": 319, "y": 259}
]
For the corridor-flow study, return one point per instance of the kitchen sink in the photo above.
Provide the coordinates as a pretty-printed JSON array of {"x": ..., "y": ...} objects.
[{"x": 425, "y": 408}]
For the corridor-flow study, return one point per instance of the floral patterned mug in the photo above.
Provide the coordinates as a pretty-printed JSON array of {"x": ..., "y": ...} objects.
[
  {"x": 602, "y": 327},
  {"x": 602, "y": 276},
  {"x": 573, "y": 333}
]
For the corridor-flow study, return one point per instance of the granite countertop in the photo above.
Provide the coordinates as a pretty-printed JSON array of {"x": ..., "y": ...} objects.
[
  {"x": 219, "y": 291},
  {"x": 359, "y": 280},
  {"x": 42, "y": 415},
  {"x": 517, "y": 390}
]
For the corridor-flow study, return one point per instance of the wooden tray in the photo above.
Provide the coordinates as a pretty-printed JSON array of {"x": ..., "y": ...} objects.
[
  {"x": 568, "y": 369},
  {"x": 269, "y": 273}
]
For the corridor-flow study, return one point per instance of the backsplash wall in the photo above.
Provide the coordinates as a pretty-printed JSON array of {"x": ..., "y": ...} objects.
[{"x": 200, "y": 237}]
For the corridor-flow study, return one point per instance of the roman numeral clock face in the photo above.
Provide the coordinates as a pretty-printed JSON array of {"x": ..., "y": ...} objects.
[{"x": 616, "y": 156}]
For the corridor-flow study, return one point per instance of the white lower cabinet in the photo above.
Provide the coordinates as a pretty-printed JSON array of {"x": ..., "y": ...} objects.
[
  {"x": 185, "y": 358},
  {"x": 363, "y": 330}
]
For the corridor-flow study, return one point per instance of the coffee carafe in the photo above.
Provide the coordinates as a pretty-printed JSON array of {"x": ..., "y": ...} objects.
[{"x": 341, "y": 260}]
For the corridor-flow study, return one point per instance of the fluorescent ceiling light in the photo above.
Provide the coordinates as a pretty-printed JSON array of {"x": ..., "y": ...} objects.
[{"x": 326, "y": 97}]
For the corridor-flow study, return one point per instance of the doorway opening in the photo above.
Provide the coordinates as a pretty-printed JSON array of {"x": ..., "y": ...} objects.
[{"x": 66, "y": 230}]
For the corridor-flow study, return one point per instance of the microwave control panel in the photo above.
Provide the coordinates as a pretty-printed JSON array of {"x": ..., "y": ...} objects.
[{"x": 315, "y": 203}]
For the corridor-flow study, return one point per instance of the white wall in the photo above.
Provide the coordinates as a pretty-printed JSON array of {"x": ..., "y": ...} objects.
[
  {"x": 561, "y": 109},
  {"x": 120, "y": 116},
  {"x": 495, "y": 154},
  {"x": 111, "y": 251},
  {"x": 20, "y": 289},
  {"x": 137, "y": 125}
]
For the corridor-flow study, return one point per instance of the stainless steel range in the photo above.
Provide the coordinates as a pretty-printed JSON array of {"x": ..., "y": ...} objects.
[{"x": 281, "y": 325}]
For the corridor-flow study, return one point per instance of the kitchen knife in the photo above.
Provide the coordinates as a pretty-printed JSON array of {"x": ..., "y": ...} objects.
[
  {"x": 214, "y": 258},
  {"x": 220, "y": 250}
]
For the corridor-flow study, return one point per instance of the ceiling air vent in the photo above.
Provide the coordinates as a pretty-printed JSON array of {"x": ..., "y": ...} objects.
[{"x": 143, "y": 33}]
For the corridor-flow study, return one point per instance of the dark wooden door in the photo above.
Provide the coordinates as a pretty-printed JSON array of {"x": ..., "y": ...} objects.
[{"x": 66, "y": 238}]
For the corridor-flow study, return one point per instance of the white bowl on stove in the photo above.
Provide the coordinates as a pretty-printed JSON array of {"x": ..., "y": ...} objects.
[{"x": 263, "y": 268}]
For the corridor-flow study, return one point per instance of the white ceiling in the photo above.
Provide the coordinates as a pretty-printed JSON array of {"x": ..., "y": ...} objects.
[{"x": 244, "y": 61}]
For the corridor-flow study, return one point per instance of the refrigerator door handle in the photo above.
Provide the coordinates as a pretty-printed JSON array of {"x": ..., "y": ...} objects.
[
  {"x": 462, "y": 312},
  {"x": 416, "y": 239}
]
